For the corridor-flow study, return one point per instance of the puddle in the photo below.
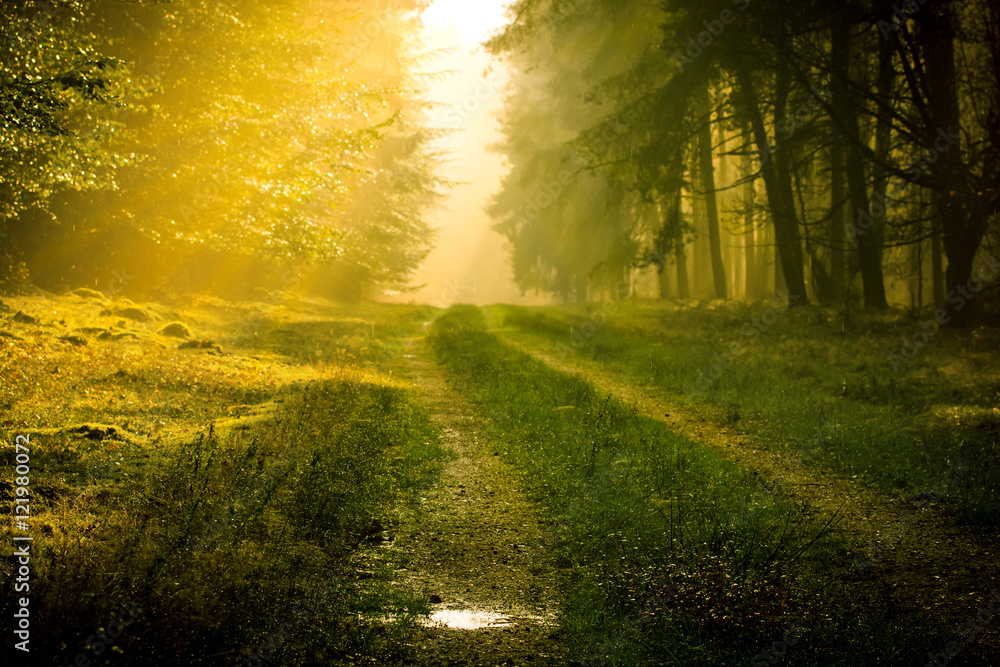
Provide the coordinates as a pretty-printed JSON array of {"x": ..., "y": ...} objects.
[{"x": 464, "y": 619}]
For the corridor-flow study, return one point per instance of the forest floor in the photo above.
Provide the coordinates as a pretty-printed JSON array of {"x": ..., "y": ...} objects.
[
  {"x": 468, "y": 530},
  {"x": 476, "y": 547},
  {"x": 924, "y": 563}
]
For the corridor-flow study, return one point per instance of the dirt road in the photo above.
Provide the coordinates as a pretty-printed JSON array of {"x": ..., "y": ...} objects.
[{"x": 477, "y": 547}]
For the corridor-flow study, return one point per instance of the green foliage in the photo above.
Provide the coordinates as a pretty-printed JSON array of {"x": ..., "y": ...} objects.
[
  {"x": 767, "y": 78},
  {"x": 565, "y": 206},
  {"x": 249, "y": 128},
  {"x": 51, "y": 74}
]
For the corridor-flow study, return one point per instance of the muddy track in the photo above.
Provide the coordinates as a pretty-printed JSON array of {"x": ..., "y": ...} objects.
[
  {"x": 923, "y": 562},
  {"x": 476, "y": 547}
]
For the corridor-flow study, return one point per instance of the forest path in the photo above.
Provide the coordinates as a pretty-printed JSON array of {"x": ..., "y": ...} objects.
[
  {"x": 478, "y": 545},
  {"x": 923, "y": 562}
]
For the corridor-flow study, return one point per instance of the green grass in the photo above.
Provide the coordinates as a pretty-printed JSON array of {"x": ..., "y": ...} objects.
[
  {"x": 246, "y": 521},
  {"x": 674, "y": 554},
  {"x": 811, "y": 386}
]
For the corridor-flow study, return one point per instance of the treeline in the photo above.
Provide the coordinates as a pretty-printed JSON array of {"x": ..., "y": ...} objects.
[
  {"x": 847, "y": 152},
  {"x": 213, "y": 145}
]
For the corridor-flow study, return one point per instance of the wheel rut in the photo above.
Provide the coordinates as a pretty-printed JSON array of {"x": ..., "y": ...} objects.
[
  {"x": 476, "y": 547},
  {"x": 920, "y": 559}
]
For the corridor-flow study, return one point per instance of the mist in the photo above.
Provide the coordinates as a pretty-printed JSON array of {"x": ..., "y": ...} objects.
[
  {"x": 508, "y": 332},
  {"x": 469, "y": 263}
]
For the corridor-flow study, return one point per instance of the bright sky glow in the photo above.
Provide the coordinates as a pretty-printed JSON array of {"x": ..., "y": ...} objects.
[
  {"x": 469, "y": 263},
  {"x": 474, "y": 20}
]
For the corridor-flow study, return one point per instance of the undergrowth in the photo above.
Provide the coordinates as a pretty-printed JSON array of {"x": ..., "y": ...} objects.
[
  {"x": 241, "y": 540},
  {"x": 806, "y": 383}
]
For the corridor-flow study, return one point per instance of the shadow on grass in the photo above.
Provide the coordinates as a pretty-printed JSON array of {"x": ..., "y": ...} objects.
[{"x": 243, "y": 545}]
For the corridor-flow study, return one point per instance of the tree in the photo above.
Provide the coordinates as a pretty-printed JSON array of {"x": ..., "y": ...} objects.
[
  {"x": 896, "y": 96},
  {"x": 51, "y": 77},
  {"x": 247, "y": 129}
]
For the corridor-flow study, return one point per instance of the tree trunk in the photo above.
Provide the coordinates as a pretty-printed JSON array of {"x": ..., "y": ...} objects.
[
  {"x": 680, "y": 253},
  {"x": 767, "y": 260},
  {"x": 751, "y": 263},
  {"x": 664, "y": 281},
  {"x": 875, "y": 239},
  {"x": 680, "y": 247},
  {"x": 700, "y": 257},
  {"x": 779, "y": 275},
  {"x": 961, "y": 222},
  {"x": 868, "y": 220},
  {"x": 937, "y": 263},
  {"x": 786, "y": 223},
  {"x": 750, "y": 268},
  {"x": 838, "y": 219},
  {"x": 707, "y": 171},
  {"x": 917, "y": 262}
]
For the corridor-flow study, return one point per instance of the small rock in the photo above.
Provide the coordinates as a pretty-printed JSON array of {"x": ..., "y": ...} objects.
[
  {"x": 435, "y": 599},
  {"x": 79, "y": 341},
  {"x": 137, "y": 314},
  {"x": 24, "y": 318},
  {"x": 87, "y": 293},
  {"x": 96, "y": 432},
  {"x": 176, "y": 330},
  {"x": 199, "y": 345}
]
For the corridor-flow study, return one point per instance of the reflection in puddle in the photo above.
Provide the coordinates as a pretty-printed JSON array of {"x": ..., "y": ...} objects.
[{"x": 463, "y": 619}]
